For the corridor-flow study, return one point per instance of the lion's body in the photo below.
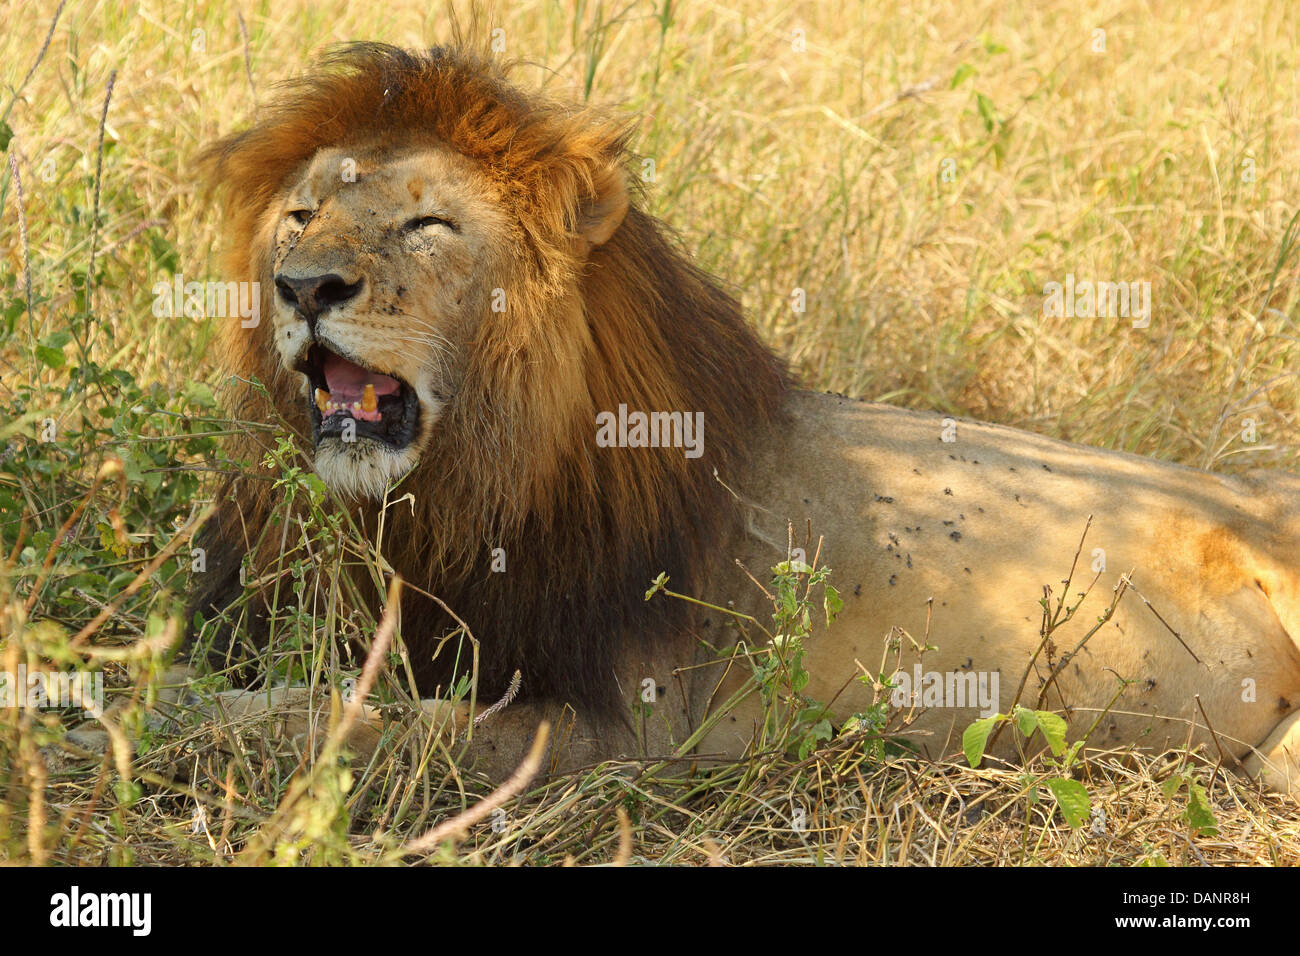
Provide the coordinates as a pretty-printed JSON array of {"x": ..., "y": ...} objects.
[
  {"x": 961, "y": 537},
  {"x": 466, "y": 195}
]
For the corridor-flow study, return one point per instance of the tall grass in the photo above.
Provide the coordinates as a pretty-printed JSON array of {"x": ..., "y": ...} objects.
[{"x": 913, "y": 176}]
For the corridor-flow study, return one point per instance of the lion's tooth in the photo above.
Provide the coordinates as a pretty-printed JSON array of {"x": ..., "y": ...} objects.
[
  {"x": 322, "y": 399},
  {"x": 368, "y": 400}
]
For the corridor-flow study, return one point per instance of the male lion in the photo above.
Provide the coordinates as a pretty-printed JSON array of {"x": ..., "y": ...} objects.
[{"x": 461, "y": 301}]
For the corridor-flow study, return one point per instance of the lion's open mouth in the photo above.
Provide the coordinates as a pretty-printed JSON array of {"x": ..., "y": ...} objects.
[{"x": 349, "y": 401}]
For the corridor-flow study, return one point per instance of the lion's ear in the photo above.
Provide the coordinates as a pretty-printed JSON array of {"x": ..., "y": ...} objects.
[{"x": 601, "y": 214}]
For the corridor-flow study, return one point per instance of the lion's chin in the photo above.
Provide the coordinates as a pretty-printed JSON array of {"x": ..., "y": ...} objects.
[{"x": 363, "y": 469}]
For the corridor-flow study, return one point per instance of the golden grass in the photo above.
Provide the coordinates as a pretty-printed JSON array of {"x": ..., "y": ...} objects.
[{"x": 921, "y": 174}]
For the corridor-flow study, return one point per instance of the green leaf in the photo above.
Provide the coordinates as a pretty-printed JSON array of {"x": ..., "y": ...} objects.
[
  {"x": 52, "y": 357},
  {"x": 1026, "y": 721},
  {"x": 1169, "y": 786},
  {"x": 6, "y": 134},
  {"x": 987, "y": 111},
  {"x": 108, "y": 540},
  {"x": 164, "y": 253},
  {"x": 820, "y": 731},
  {"x": 200, "y": 394},
  {"x": 963, "y": 71},
  {"x": 315, "y": 488},
  {"x": 991, "y": 46},
  {"x": 1000, "y": 151},
  {"x": 1199, "y": 815},
  {"x": 1053, "y": 728},
  {"x": 1072, "y": 798},
  {"x": 16, "y": 308},
  {"x": 128, "y": 791},
  {"x": 976, "y": 738},
  {"x": 134, "y": 463},
  {"x": 832, "y": 603},
  {"x": 120, "y": 581}
]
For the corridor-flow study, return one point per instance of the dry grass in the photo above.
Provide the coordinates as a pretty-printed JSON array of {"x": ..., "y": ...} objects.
[
  {"x": 1167, "y": 157},
  {"x": 836, "y": 807}
]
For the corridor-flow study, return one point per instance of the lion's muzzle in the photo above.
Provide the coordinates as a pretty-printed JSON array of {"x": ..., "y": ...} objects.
[{"x": 350, "y": 401}]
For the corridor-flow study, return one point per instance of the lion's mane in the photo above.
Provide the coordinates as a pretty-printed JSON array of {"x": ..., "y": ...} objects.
[{"x": 514, "y": 464}]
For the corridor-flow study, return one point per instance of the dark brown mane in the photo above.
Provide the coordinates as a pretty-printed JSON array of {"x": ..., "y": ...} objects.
[{"x": 514, "y": 464}]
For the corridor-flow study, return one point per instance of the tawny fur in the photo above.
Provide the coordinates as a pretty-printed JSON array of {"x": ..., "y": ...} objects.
[
  {"x": 603, "y": 310},
  {"x": 587, "y": 327}
]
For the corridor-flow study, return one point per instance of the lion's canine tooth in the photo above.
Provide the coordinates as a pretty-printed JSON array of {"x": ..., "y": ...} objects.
[
  {"x": 322, "y": 399},
  {"x": 368, "y": 400}
]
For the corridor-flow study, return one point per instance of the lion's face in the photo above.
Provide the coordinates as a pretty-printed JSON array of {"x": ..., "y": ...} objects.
[{"x": 383, "y": 266}]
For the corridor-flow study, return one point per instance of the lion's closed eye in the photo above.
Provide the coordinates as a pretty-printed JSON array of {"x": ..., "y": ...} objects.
[{"x": 426, "y": 222}]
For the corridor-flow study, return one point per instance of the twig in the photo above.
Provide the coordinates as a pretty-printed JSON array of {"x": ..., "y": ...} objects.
[
  {"x": 458, "y": 826},
  {"x": 94, "y": 213},
  {"x": 1217, "y": 744},
  {"x": 1164, "y": 622},
  {"x": 248, "y": 59},
  {"x": 27, "y": 249},
  {"x": 39, "y": 57},
  {"x": 1050, "y": 624}
]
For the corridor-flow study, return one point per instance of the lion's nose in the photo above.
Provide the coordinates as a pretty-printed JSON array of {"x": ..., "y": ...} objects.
[{"x": 313, "y": 295}]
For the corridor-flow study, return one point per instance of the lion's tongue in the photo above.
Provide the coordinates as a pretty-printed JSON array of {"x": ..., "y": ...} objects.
[{"x": 347, "y": 382}]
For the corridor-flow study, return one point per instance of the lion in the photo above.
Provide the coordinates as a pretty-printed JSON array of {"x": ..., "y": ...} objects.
[{"x": 463, "y": 301}]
